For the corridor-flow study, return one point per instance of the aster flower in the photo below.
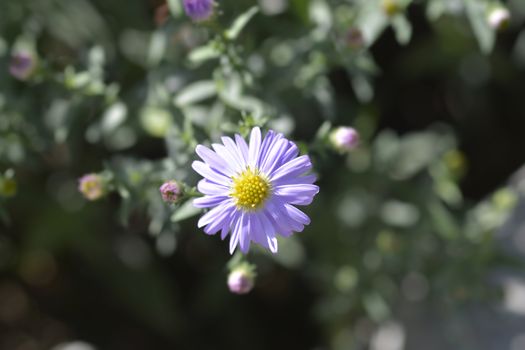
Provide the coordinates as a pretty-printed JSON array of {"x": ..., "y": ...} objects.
[
  {"x": 198, "y": 10},
  {"x": 22, "y": 65},
  {"x": 252, "y": 189},
  {"x": 170, "y": 191},
  {"x": 92, "y": 186},
  {"x": 344, "y": 138}
]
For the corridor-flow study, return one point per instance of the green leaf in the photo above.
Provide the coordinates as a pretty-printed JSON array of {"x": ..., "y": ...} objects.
[
  {"x": 175, "y": 7},
  {"x": 435, "y": 9},
  {"x": 300, "y": 7},
  {"x": 240, "y": 22},
  {"x": 442, "y": 220},
  {"x": 157, "y": 48},
  {"x": 195, "y": 92},
  {"x": 113, "y": 117},
  {"x": 4, "y": 216},
  {"x": 476, "y": 12},
  {"x": 321, "y": 15},
  {"x": 376, "y": 306},
  {"x": 204, "y": 53},
  {"x": 185, "y": 211},
  {"x": 363, "y": 88},
  {"x": 371, "y": 21}
]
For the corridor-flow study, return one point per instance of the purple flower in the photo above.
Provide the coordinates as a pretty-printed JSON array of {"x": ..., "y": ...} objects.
[
  {"x": 199, "y": 10},
  {"x": 92, "y": 186},
  {"x": 241, "y": 281},
  {"x": 170, "y": 191},
  {"x": 22, "y": 65},
  {"x": 344, "y": 138},
  {"x": 252, "y": 189}
]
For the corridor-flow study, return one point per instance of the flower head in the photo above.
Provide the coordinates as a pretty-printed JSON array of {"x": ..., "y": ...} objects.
[
  {"x": 344, "y": 138},
  {"x": 252, "y": 189},
  {"x": 499, "y": 18},
  {"x": 22, "y": 65},
  {"x": 199, "y": 10},
  {"x": 92, "y": 186},
  {"x": 241, "y": 280},
  {"x": 170, "y": 191}
]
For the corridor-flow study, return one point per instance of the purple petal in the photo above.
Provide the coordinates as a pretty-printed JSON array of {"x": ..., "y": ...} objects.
[
  {"x": 236, "y": 233},
  {"x": 214, "y": 214},
  {"x": 211, "y": 189},
  {"x": 246, "y": 232},
  {"x": 255, "y": 146},
  {"x": 220, "y": 221},
  {"x": 293, "y": 168},
  {"x": 230, "y": 157},
  {"x": 278, "y": 220},
  {"x": 234, "y": 149},
  {"x": 297, "y": 215},
  {"x": 272, "y": 244},
  {"x": 210, "y": 174},
  {"x": 209, "y": 201},
  {"x": 266, "y": 144},
  {"x": 257, "y": 233},
  {"x": 305, "y": 179},
  {"x": 268, "y": 240},
  {"x": 242, "y": 146},
  {"x": 214, "y": 161},
  {"x": 275, "y": 153},
  {"x": 225, "y": 230},
  {"x": 290, "y": 154},
  {"x": 297, "y": 194}
]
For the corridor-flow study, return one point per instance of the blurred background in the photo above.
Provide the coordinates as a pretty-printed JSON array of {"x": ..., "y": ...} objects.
[{"x": 417, "y": 237}]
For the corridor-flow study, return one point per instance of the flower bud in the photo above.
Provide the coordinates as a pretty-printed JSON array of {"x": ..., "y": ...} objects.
[
  {"x": 22, "y": 65},
  {"x": 92, "y": 186},
  {"x": 241, "y": 280},
  {"x": 199, "y": 10},
  {"x": 170, "y": 191},
  {"x": 344, "y": 138},
  {"x": 354, "y": 38},
  {"x": 498, "y": 18}
]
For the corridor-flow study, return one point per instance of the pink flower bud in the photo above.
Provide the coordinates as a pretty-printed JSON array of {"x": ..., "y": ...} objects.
[
  {"x": 92, "y": 186},
  {"x": 170, "y": 191},
  {"x": 344, "y": 138},
  {"x": 22, "y": 65},
  {"x": 241, "y": 281}
]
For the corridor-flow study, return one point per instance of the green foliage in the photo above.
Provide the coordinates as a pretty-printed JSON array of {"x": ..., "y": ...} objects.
[{"x": 117, "y": 94}]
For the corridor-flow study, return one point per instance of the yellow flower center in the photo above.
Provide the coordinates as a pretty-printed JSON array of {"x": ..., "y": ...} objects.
[{"x": 250, "y": 190}]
